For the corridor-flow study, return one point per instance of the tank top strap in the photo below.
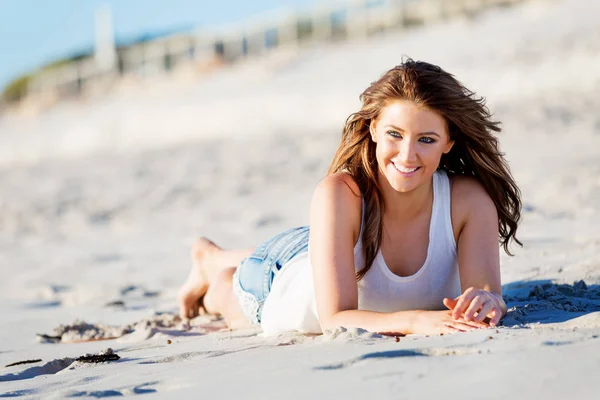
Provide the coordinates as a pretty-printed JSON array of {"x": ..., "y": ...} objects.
[
  {"x": 362, "y": 223},
  {"x": 441, "y": 191},
  {"x": 442, "y": 207}
]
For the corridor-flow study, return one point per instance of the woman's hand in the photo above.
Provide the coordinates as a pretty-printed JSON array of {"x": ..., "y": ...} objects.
[
  {"x": 439, "y": 322},
  {"x": 476, "y": 305}
]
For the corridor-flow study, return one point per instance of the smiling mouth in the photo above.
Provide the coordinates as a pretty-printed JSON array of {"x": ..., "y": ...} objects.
[{"x": 406, "y": 170}]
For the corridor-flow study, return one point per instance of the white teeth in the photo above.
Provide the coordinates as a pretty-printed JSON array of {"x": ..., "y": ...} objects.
[{"x": 405, "y": 170}]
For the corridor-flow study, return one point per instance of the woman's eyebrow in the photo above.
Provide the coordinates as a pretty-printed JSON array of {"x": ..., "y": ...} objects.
[{"x": 422, "y": 133}]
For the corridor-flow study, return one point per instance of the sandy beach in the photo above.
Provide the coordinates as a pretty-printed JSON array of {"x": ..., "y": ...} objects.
[{"x": 100, "y": 201}]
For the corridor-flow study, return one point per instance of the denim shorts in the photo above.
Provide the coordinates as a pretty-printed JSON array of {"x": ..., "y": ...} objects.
[{"x": 252, "y": 280}]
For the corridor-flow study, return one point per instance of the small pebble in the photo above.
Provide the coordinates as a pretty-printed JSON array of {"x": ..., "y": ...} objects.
[
  {"x": 490, "y": 337},
  {"x": 169, "y": 341},
  {"x": 397, "y": 339}
]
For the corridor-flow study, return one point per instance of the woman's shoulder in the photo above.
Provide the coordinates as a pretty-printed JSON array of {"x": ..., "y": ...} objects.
[
  {"x": 468, "y": 197},
  {"x": 340, "y": 184},
  {"x": 468, "y": 189},
  {"x": 338, "y": 193},
  {"x": 337, "y": 206}
]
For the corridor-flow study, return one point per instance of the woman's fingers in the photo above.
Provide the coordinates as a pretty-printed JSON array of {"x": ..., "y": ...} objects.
[
  {"x": 450, "y": 303},
  {"x": 474, "y": 324},
  {"x": 464, "y": 326},
  {"x": 475, "y": 305},
  {"x": 452, "y": 328},
  {"x": 496, "y": 315},
  {"x": 461, "y": 305},
  {"x": 487, "y": 308}
]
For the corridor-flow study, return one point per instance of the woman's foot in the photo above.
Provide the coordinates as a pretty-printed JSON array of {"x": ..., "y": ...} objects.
[{"x": 198, "y": 281}]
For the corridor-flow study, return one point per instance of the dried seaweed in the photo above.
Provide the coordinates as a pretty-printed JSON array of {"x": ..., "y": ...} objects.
[
  {"x": 23, "y": 362},
  {"x": 43, "y": 338},
  {"x": 98, "y": 358},
  {"x": 103, "y": 356}
]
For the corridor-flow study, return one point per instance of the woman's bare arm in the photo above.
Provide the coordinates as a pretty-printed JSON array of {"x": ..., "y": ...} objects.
[
  {"x": 478, "y": 252},
  {"x": 335, "y": 219}
]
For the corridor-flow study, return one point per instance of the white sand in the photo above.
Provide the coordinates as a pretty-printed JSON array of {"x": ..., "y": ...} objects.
[{"x": 100, "y": 202}]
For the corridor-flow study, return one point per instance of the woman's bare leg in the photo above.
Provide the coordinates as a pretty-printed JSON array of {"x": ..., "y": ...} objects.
[
  {"x": 208, "y": 260},
  {"x": 220, "y": 299}
]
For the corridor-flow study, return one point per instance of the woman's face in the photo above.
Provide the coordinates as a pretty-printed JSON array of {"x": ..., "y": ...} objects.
[{"x": 410, "y": 142}]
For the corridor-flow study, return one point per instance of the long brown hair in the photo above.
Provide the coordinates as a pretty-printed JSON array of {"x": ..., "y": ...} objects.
[{"x": 475, "y": 151}]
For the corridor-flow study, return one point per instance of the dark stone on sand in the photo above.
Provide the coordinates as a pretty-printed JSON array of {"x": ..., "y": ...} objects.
[{"x": 580, "y": 285}]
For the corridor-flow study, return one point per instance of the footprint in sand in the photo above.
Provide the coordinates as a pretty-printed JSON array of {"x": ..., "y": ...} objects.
[
  {"x": 191, "y": 355},
  {"x": 381, "y": 355}
]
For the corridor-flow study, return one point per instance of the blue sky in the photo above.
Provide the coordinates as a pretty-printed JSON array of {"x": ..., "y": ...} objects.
[{"x": 34, "y": 32}]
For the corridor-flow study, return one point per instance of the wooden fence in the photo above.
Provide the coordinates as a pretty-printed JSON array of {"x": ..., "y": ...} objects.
[{"x": 332, "y": 22}]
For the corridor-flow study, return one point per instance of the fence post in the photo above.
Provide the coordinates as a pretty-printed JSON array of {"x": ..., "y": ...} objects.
[
  {"x": 357, "y": 24},
  {"x": 287, "y": 31},
  {"x": 322, "y": 24},
  {"x": 395, "y": 15}
]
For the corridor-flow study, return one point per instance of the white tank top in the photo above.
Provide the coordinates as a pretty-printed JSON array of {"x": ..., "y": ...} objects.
[{"x": 291, "y": 304}]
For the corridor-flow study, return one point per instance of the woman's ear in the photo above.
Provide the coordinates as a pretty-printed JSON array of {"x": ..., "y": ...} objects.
[
  {"x": 450, "y": 142},
  {"x": 448, "y": 146},
  {"x": 372, "y": 131}
]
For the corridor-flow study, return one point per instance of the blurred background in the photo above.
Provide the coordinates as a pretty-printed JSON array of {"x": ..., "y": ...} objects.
[{"x": 130, "y": 127}]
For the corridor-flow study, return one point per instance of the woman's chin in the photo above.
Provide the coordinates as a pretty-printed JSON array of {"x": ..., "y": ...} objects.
[
  {"x": 404, "y": 185},
  {"x": 403, "y": 188}
]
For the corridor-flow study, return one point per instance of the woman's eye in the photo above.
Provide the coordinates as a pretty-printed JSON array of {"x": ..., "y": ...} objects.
[
  {"x": 427, "y": 140},
  {"x": 394, "y": 134}
]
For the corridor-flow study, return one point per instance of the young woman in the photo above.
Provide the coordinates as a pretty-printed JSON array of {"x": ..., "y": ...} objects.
[{"x": 403, "y": 229}]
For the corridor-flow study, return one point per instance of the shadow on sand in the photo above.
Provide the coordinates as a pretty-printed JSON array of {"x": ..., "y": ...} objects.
[{"x": 543, "y": 301}]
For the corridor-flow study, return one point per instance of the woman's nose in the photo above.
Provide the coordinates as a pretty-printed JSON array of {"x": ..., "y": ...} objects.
[{"x": 408, "y": 152}]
